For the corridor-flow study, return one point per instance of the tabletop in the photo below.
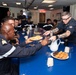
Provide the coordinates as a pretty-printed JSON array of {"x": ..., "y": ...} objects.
[{"x": 37, "y": 63}]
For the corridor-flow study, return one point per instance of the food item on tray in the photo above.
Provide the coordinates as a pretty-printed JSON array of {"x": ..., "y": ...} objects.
[
  {"x": 37, "y": 33},
  {"x": 36, "y": 37},
  {"x": 55, "y": 53},
  {"x": 61, "y": 55}
]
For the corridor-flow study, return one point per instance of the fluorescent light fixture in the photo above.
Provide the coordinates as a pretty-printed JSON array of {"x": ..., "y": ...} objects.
[
  {"x": 48, "y": 1},
  {"x": 50, "y": 5},
  {"x": 35, "y": 7},
  {"x": 51, "y": 8},
  {"x": 18, "y": 3},
  {"x": 4, "y": 4}
]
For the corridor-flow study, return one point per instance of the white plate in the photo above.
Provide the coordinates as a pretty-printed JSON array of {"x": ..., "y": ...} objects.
[{"x": 58, "y": 58}]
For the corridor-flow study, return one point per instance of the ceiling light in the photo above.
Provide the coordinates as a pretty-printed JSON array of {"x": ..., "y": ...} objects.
[
  {"x": 48, "y": 1},
  {"x": 18, "y": 3},
  {"x": 50, "y": 5},
  {"x": 35, "y": 7},
  {"x": 51, "y": 8},
  {"x": 4, "y": 4}
]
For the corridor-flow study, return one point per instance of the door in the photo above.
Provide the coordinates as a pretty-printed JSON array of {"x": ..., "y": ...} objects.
[{"x": 42, "y": 17}]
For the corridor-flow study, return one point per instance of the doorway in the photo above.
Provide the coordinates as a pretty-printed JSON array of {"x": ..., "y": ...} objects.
[{"x": 41, "y": 17}]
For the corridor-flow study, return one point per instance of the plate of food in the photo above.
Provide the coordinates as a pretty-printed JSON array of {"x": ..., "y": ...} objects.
[
  {"x": 34, "y": 38},
  {"x": 60, "y": 55}
]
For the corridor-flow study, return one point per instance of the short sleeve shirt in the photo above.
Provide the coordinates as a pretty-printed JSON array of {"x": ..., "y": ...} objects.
[{"x": 71, "y": 26}]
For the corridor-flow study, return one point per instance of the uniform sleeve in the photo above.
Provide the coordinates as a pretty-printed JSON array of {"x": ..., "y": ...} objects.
[
  {"x": 22, "y": 44},
  {"x": 7, "y": 50},
  {"x": 23, "y": 51},
  {"x": 71, "y": 27}
]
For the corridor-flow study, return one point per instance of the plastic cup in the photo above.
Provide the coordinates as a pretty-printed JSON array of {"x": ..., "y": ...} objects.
[
  {"x": 26, "y": 37},
  {"x": 50, "y": 62},
  {"x": 67, "y": 49}
]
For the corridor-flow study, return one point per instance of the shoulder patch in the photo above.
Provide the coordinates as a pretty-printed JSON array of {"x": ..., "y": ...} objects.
[{"x": 4, "y": 42}]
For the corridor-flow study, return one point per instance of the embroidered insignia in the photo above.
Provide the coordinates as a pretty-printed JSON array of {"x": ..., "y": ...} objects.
[
  {"x": 4, "y": 42},
  {"x": 70, "y": 27}
]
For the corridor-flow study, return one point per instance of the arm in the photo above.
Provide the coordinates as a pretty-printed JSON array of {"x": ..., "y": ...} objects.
[
  {"x": 26, "y": 42},
  {"x": 64, "y": 35},
  {"x": 53, "y": 31},
  {"x": 7, "y": 50},
  {"x": 22, "y": 51},
  {"x": 59, "y": 27}
]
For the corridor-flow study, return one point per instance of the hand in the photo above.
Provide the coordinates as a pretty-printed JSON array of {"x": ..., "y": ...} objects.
[
  {"x": 53, "y": 38},
  {"x": 44, "y": 42},
  {"x": 28, "y": 41},
  {"x": 17, "y": 41},
  {"x": 47, "y": 33},
  {"x": 17, "y": 36}
]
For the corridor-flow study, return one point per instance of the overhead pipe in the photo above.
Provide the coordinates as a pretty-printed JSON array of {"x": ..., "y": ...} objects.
[{"x": 29, "y": 5}]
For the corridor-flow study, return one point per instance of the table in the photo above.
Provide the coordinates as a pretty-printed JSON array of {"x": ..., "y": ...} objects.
[{"x": 37, "y": 63}]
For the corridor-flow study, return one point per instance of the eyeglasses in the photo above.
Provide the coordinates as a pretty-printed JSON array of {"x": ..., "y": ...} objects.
[{"x": 66, "y": 18}]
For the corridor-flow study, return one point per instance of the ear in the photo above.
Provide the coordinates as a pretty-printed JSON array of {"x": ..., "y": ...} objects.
[
  {"x": 6, "y": 36},
  {"x": 1, "y": 23}
]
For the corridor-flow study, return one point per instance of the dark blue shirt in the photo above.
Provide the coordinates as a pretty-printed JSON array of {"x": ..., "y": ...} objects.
[
  {"x": 19, "y": 51},
  {"x": 71, "y": 26}
]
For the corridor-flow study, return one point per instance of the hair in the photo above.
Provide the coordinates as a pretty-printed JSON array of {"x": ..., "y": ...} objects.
[
  {"x": 48, "y": 19},
  {"x": 66, "y": 13},
  {"x": 16, "y": 19},
  {"x": 6, "y": 19},
  {"x": 21, "y": 10},
  {"x": 55, "y": 20}
]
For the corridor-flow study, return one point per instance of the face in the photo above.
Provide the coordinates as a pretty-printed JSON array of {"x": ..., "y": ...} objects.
[
  {"x": 11, "y": 33},
  {"x": 55, "y": 23},
  {"x": 16, "y": 23},
  {"x": 66, "y": 19},
  {"x": 8, "y": 13},
  {"x": 49, "y": 22},
  {"x": 20, "y": 21},
  {"x": 10, "y": 22},
  {"x": 21, "y": 12}
]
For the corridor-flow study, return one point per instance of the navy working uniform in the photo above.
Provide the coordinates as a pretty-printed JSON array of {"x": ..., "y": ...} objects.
[
  {"x": 71, "y": 26},
  {"x": 48, "y": 26},
  {"x": 7, "y": 51}
]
